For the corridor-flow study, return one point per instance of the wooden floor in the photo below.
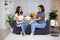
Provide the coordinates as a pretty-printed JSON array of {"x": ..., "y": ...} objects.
[{"x": 3, "y": 33}]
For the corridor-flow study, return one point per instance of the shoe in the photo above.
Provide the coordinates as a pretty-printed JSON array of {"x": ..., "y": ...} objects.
[{"x": 31, "y": 34}]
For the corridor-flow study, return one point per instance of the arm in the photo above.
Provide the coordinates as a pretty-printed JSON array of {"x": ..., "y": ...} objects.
[
  {"x": 24, "y": 19},
  {"x": 37, "y": 19}
]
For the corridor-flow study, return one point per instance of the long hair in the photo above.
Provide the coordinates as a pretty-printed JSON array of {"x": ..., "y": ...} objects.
[
  {"x": 18, "y": 10},
  {"x": 42, "y": 8}
]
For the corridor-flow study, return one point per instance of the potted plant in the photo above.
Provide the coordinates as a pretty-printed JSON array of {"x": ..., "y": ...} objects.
[
  {"x": 52, "y": 17},
  {"x": 10, "y": 18}
]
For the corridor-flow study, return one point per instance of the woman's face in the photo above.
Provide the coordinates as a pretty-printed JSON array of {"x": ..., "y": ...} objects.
[
  {"x": 20, "y": 9},
  {"x": 39, "y": 9}
]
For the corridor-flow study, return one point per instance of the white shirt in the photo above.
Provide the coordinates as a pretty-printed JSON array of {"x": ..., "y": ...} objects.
[{"x": 19, "y": 17}]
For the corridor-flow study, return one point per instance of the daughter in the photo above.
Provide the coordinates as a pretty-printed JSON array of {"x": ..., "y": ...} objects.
[{"x": 20, "y": 19}]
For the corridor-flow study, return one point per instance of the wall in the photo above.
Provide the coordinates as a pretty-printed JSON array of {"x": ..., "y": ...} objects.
[
  {"x": 31, "y": 5},
  {"x": 2, "y": 15},
  {"x": 27, "y": 6},
  {"x": 4, "y": 12},
  {"x": 56, "y": 6}
]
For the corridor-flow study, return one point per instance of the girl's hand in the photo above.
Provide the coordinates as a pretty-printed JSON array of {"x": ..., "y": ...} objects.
[{"x": 24, "y": 19}]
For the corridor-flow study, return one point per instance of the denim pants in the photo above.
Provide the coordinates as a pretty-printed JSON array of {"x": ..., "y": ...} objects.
[
  {"x": 35, "y": 25},
  {"x": 24, "y": 26}
]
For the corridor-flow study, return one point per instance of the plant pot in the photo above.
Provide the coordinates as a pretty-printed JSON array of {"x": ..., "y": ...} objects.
[{"x": 52, "y": 22}]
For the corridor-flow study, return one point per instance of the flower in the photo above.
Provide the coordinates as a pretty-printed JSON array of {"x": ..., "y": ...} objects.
[{"x": 32, "y": 14}]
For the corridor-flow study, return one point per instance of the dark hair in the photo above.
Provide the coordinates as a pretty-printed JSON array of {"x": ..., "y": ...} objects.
[
  {"x": 17, "y": 10},
  {"x": 42, "y": 8}
]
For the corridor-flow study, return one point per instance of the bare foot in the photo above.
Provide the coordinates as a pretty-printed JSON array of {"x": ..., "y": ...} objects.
[{"x": 23, "y": 34}]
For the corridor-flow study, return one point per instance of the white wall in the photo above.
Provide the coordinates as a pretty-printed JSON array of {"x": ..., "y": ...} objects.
[
  {"x": 27, "y": 6},
  {"x": 9, "y": 9},
  {"x": 31, "y": 5},
  {"x": 2, "y": 15}
]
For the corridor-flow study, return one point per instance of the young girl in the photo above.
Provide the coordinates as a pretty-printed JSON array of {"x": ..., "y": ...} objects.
[{"x": 20, "y": 19}]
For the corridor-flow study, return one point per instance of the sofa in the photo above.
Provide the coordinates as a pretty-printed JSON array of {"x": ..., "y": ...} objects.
[{"x": 38, "y": 31}]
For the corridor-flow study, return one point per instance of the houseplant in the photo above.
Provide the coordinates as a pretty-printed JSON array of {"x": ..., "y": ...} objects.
[
  {"x": 10, "y": 18},
  {"x": 52, "y": 17}
]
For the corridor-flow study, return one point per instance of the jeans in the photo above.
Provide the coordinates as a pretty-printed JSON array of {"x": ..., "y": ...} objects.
[
  {"x": 24, "y": 26},
  {"x": 36, "y": 25}
]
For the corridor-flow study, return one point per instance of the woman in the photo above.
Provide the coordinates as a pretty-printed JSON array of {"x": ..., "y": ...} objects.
[
  {"x": 20, "y": 20},
  {"x": 39, "y": 20}
]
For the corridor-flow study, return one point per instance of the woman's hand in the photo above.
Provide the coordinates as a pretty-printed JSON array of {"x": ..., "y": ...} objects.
[{"x": 37, "y": 19}]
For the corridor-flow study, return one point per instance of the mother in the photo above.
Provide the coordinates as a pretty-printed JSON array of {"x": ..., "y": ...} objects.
[{"x": 39, "y": 21}]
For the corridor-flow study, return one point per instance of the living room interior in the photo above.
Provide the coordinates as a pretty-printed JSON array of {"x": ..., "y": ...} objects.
[{"x": 29, "y": 6}]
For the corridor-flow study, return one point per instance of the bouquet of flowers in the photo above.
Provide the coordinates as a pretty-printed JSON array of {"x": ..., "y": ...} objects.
[{"x": 32, "y": 14}]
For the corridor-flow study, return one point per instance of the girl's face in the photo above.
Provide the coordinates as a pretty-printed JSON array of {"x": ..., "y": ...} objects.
[
  {"x": 39, "y": 9},
  {"x": 20, "y": 9}
]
